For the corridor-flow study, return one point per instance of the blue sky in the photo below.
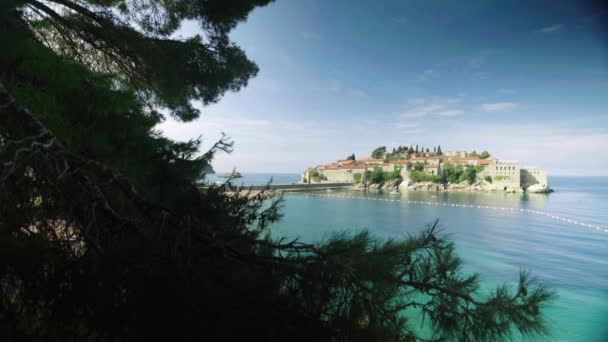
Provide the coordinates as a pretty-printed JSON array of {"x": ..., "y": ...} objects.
[{"x": 523, "y": 81}]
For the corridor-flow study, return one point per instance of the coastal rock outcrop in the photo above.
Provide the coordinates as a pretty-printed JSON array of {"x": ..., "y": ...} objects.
[
  {"x": 539, "y": 189},
  {"x": 429, "y": 186}
]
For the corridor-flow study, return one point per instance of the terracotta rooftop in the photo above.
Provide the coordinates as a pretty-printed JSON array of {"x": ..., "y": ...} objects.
[
  {"x": 367, "y": 159},
  {"x": 463, "y": 159},
  {"x": 347, "y": 167}
]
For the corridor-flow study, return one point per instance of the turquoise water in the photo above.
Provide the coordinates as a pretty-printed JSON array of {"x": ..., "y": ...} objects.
[
  {"x": 573, "y": 259},
  {"x": 257, "y": 178}
]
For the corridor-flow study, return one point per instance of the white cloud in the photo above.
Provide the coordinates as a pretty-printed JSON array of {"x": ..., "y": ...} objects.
[
  {"x": 439, "y": 106},
  {"x": 414, "y": 114},
  {"x": 451, "y": 112},
  {"x": 427, "y": 75},
  {"x": 407, "y": 125},
  {"x": 551, "y": 29},
  {"x": 416, "y": 101},
  {"x": 493, "y": 107}
]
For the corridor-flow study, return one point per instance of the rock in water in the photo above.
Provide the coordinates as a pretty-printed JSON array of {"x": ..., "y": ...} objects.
[
  {"x": 539, "y": 189},
  {"x": 230, "y": 175}
]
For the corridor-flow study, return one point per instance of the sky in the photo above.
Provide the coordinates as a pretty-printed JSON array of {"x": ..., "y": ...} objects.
[{"x": 525, "y": 80}]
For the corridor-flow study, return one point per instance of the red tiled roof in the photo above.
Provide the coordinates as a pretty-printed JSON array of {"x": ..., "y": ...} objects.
[
  {"x": 370, "y": 159},
  {"x": 347, "y": 167},
  {"x": 418, "y": 158},
  {"x": 463, "y": 159},
  {"x": 485, "y": 161}
]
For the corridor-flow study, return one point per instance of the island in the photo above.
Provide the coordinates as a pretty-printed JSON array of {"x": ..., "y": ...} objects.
[
  {"x": 230, "y": 175},
  {"x": 420, "y": 169}
]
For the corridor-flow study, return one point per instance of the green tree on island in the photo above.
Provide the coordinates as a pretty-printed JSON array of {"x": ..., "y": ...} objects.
[
  {"x": 104, "y": 235},
  {"x": 379, "y": 152}
]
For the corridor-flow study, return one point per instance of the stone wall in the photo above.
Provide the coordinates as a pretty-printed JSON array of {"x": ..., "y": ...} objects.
[
  {"x": 505, "y": 175},
  {"x": 340, "y": 176},
  {"x": 533, "y": 176}
]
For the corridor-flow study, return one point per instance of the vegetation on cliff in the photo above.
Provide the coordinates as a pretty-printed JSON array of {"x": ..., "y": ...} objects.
[{"x": 105, "y": 237}]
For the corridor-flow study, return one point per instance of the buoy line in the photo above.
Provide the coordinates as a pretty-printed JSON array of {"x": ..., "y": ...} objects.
[{"x": 455, "y": 205}]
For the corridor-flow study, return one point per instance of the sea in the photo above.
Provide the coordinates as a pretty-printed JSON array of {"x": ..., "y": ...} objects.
[{"x": 561, "y": 238}]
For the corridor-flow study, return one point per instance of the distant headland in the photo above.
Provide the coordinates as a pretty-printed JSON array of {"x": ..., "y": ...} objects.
[{"x": 419, "y": 169}]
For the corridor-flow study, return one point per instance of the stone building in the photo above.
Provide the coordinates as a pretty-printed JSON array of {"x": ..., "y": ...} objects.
[
  {"x": 343, "y": 174},
  {"x": 463, "y": 161},
  {"x": 505, "y": 175},
  {"x": 457, "y": 154},
  {"x": 433, "y": 169},
  {"x": 533, "y": 176},
  {"x": 433, "y": 160}
]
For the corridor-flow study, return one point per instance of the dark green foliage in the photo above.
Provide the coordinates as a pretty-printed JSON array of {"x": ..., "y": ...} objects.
[
  {"x": 357, "y": 177},
  {"x": 419, "y": 166},
  {"x": 377, "y": 176},
  {"x": 469, "y": 174},
  {"x": 392, "y": 175},
  {"x": 401, "y": 149},
  {"x": 421, "y": 176},
  {"x": 458, "y": 174},
  {"x": 473, "y": 154},
  {"x": 488, "y": 178},
  {"x": 379, "y": 152},
  {"x": 484, "y": 155},
  {"x": 315, "y": 176},
  {"x": 132, "y": 41},
  {"x": 439, "y": 150},
  {"x": 351, "y": 157},
  {"x": 104, "y": 235}
]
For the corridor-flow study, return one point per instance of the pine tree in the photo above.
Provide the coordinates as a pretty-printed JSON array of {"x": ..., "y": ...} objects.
[
  {"x": 96, "y": 247},
  {"x": 439, "y": 150}
]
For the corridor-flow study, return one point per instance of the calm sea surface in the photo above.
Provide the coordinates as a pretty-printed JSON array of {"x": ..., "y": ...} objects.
[
  {"x": 570, "y": 258},
  {"x": 257, "y": 178}
]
